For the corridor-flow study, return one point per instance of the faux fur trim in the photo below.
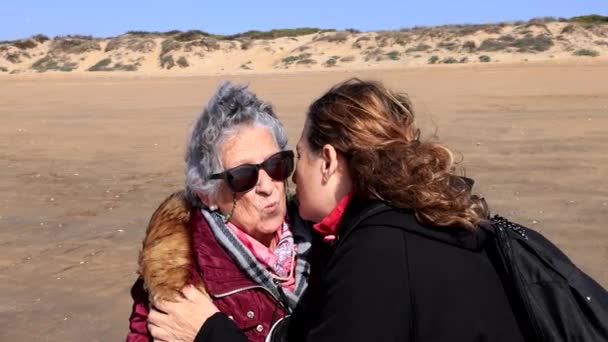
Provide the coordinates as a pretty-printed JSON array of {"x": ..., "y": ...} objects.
[{"x": 165, "y": 261}]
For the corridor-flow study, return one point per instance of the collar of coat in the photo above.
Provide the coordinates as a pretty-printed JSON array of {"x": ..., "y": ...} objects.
[{"x": 165, "y": 261}]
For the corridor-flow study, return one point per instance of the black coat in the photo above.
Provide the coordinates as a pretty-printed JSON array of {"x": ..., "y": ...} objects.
[{"x": 388, "y": 278}]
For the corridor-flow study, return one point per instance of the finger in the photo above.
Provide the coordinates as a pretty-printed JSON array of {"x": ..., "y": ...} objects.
[
  {"x": 158, "y": 333},
  {"x": 156, "y": 317},
  {"x": 196, "y": 295},
  {"x": 190, "y": 292},
  {"x": 167, "y": 306}
]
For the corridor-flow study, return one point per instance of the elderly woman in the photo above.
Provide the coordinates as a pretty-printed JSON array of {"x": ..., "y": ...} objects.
[{"x": 232, "y": 232}]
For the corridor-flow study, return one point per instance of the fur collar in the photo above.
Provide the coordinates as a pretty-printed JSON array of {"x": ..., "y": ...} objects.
[{"x": 166, "y": 258}]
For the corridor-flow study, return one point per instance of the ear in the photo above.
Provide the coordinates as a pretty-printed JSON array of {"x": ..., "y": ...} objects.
[{"x": 330, "y": 161}]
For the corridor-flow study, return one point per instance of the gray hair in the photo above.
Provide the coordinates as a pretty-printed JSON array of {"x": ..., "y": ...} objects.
[{"x": 232, "y": 106}]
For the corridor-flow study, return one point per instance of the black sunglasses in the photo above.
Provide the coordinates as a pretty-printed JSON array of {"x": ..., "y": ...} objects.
[{"x": 244, "y": 177}]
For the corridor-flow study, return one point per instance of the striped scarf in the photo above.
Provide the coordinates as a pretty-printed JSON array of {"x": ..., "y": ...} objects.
[{"x": 256, "y": 270}]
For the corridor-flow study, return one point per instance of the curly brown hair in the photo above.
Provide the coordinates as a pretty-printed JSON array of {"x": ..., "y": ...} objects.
[{"x": 374, "y": 129}]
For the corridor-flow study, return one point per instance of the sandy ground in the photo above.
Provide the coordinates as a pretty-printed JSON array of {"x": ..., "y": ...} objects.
[{"x": 85, "y": 160}]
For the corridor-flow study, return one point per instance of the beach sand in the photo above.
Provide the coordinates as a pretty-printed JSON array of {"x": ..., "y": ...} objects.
[{"x": 85, "y": 160}]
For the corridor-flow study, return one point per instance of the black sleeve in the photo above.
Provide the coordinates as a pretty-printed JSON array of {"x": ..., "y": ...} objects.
[
  {"x": 220, "y": 328},
  {"x": 365, "y": 291}
]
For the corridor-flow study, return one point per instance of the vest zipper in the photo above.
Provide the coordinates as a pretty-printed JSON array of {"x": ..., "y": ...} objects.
[{"x": 225, "y": 294}]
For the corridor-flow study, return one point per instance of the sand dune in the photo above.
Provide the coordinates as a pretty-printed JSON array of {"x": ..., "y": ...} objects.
[{"x": 198, "y": 53}]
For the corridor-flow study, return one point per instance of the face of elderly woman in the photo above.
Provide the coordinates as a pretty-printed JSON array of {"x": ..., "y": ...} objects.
[{"x": 260, "y": 211}]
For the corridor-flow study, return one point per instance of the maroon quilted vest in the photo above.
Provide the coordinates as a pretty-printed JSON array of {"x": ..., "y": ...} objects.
[{"x": 253, "y": 308}]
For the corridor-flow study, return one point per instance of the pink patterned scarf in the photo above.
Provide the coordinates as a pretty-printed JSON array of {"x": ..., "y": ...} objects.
[{"x": 280, "y": 260}]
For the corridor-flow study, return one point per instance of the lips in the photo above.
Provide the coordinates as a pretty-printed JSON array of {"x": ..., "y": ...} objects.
[{"x": 271, "y": 206}]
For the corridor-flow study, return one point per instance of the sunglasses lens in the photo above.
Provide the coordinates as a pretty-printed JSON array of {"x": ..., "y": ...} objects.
[
  {"x": 279, "y": 166},
  {"x": 242, "y": 178}
]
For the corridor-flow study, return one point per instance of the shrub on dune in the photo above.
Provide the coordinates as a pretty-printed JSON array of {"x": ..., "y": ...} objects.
[{"x": 586, "y": 52}]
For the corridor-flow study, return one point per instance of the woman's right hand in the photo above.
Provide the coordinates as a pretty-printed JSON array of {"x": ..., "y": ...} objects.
[{"x": 180, "y": 320}]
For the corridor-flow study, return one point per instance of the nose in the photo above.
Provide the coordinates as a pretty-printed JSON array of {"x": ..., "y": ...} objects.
[{"x": 265, "y": 183}]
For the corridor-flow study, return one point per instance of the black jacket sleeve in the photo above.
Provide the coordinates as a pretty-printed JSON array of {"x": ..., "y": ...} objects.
[
  {"x": 365, "y": 291},
  {"x": 220, "y": 328}
]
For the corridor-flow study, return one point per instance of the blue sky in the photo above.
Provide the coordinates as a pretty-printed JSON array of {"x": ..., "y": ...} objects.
[{"x": 102, "y": 18}]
